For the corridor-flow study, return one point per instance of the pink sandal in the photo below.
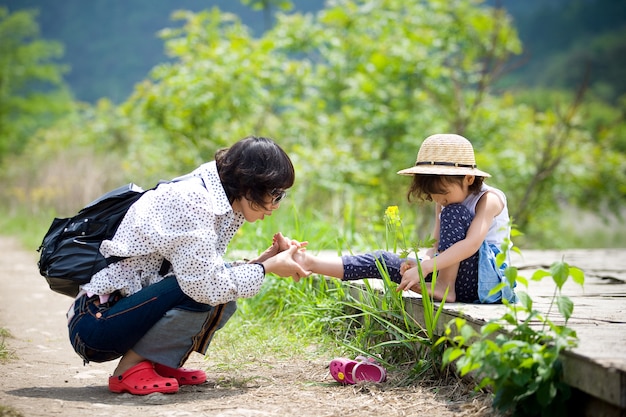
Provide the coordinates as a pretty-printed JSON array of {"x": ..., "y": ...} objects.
[
  {"x": 184, "y": 376},
  {"x": 142, "y": 379},
  {"x": 348, "y": 371}
]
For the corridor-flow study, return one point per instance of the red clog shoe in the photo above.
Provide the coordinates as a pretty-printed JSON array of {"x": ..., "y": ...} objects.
[
  {"x": 142, "y": 379},
  {"x": 184, "y": 376}
]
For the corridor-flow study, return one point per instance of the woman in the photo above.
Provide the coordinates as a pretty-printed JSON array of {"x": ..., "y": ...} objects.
[{"x": 175, "y": 290}]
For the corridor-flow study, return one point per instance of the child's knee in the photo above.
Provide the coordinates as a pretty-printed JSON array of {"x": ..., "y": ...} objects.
[
  {"x": 456, "y": 215},
  {"x": 456, "y": 210}
]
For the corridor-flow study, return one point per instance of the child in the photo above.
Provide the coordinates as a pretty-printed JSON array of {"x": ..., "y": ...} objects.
[{"x": 472, "y": 222}]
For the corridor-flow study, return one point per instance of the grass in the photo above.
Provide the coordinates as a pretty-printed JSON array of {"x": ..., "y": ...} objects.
[
  {"x": 29, "y": 229},
  {"x": 5, "y": 353},
  {"x": 249, "y": 338},
  {"x": 6, "y": 411}
]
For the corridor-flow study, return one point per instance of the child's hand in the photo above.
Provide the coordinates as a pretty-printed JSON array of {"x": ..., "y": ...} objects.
[
  {"x": 410, "y": 279},
  {"x": 406, "y": 265}
]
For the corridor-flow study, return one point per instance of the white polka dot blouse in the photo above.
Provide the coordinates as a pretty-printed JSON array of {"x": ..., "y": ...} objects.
[{"x": 189, "y": 224}]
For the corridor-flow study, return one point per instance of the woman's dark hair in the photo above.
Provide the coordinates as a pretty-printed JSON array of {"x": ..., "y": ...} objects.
[
  {"x": 254, "y": 168},
  {"x": 425, "y": 185}
]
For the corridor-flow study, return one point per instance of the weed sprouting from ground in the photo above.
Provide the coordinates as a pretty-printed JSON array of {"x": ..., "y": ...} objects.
[{"x": 5, "y": 353}]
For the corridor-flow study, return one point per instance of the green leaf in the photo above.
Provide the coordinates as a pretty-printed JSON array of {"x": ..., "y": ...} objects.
[
  {"x": 566, "y": 306},
  {"x": 560, "y": 272},
  {"x": 511, "y": 275},
  {"x": 577, "y": 275},
  {"x": 520, "y": 279},
  {"x": 490, "y": 328},
  {"x": 525, "y": 300},
  {"x": 468, "y": 332},
  {"x": 451, "y": 355},
  {"x": 539, "y": 275}
]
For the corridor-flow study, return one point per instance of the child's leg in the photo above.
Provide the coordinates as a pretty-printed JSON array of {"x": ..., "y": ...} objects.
[
  {"x": 454, "y": 223},
  {"x": 331, "y": 266},
  {"x": 351, "y": 267},
  {"x": 366, "y": 266}
]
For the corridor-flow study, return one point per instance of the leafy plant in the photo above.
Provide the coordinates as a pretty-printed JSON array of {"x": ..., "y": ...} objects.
[
  {"x": 517, "y": 355},
  {"x": 33, "y": 93},
  {"x": 394, "y": 228},
  {"x": 377, "y": 321},
  {"x": 5, "y": 353}
]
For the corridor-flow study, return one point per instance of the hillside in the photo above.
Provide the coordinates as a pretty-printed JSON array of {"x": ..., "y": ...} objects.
[{"x": 113, "y": 44}]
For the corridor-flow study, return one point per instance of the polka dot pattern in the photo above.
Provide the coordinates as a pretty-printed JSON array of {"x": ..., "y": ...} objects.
[
  {"x": 189, "y": 224},
  {"x": 454, "y": 223},
  {"x": 364, "y": 266}
]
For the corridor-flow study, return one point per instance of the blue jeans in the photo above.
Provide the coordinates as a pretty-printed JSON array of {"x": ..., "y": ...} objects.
[{"x": 103, "y": 332}]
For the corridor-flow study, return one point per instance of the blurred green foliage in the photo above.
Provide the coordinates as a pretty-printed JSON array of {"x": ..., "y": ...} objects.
[
  {"x": 32, "y": 91},
  {"x": 350, "y": 93}
]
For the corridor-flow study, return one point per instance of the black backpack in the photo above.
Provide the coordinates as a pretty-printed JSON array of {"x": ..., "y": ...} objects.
[{"x": 70, "y": 250}]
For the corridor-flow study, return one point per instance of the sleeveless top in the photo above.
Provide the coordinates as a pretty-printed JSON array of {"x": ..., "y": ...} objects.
[
  {"x": 489, "y": 274},
  {"x": 500, "y": 227}
]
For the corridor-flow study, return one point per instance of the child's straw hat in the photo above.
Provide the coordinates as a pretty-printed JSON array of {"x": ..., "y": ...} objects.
[{"x": 445, "y": 154}]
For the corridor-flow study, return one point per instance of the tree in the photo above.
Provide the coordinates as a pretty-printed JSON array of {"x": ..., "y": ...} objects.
[
  {"x": 266, "y": 6},
  {"x": 32, "y": 92},
  {"x": 350, "y": 93}
]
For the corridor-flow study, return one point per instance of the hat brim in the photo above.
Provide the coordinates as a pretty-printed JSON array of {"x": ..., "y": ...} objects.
[{"x": 442, "y": 170}]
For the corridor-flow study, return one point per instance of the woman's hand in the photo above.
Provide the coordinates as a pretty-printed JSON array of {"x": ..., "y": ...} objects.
[
  {"x": 279, "y": 244},
  {"x": 284, "y": 265}
]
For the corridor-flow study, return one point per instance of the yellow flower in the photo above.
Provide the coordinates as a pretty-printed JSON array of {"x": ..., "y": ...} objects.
[{"x": 392, "y": 214}]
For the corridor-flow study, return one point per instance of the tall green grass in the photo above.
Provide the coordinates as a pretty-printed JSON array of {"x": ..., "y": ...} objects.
[{"x": 362, "y": 319}]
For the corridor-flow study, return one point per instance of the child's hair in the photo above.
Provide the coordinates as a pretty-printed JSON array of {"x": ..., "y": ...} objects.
[{"x": 424, "y": 185}]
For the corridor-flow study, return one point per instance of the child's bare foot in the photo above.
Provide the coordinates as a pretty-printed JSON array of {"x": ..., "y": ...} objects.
[
  {"x": 284, "y": 242},
  {"x": 302, "y": 258}
]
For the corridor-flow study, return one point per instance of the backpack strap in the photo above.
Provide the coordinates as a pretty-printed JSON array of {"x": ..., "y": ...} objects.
[
  {"x": 165, "y": 267},
  {"x": 186, "y": 177}
]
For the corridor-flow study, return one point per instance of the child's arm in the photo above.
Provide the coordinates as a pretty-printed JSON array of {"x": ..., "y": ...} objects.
[
  {"x": 430, "y": 253},
  {"x": 488, "y": 207}
]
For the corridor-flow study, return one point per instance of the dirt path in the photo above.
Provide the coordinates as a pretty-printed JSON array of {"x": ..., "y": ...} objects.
[{"x": 47, "y": 378}]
